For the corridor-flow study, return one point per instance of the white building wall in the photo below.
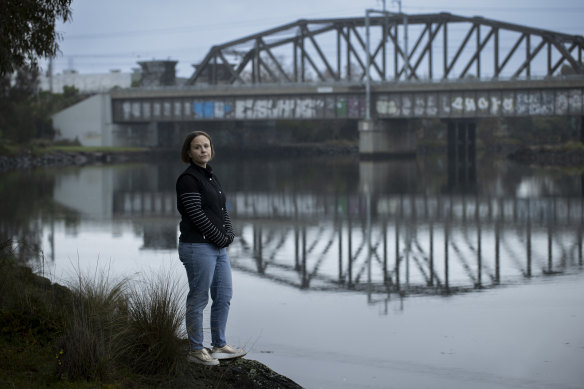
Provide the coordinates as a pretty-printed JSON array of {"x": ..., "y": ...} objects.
[
  {"x": 88, "y": 121},
  {"x": 88, "y": 191}
]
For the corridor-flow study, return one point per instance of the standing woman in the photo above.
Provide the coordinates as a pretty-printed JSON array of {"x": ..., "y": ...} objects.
[{"x": 205, "y": 232}]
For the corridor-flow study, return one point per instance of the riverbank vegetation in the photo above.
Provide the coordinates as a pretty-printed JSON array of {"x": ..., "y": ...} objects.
[
  {"x": 46, "y": 147},
  {"x": 98, "y": 331},
  {"x": 25, "y": 111}
]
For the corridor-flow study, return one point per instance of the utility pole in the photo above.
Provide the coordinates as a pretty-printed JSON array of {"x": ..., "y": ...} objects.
[
  {"x": 367, "y": 71},
  {"x": 368, "y": 53}
]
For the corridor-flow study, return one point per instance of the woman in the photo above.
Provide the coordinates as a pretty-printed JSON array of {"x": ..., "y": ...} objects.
[{"x": 205, "y": 232}]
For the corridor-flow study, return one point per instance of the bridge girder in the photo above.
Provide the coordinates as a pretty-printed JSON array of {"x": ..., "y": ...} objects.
[{"x": 334, "y": 50}]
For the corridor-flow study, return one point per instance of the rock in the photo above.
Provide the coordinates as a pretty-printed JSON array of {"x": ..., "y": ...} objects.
[{"x": 240, "y": 373}]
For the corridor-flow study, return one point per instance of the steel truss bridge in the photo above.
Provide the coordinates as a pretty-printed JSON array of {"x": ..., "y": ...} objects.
[
  {"x": 444, "y": 47},
  {"x": 457, "y": 67}
]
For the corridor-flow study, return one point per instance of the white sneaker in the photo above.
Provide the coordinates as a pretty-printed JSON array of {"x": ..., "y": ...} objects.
[
  {"x": 202, "y": 357},
  {"x": 227, "y": 352}
]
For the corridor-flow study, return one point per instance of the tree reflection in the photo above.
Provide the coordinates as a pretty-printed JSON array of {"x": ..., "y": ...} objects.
[{"x": 27, "y": 207}]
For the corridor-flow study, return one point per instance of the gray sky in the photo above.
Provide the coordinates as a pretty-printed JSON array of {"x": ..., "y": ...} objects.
[{"x": 108, "y": 34}]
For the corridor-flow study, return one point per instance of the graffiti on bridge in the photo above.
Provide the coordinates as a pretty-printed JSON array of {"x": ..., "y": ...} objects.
[
  {"x": 481, "y": 104},
  {"x": 442, "y": 104}
]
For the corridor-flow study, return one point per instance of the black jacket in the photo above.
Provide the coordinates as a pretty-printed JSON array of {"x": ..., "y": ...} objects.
[{"x": 201, "y": 202}]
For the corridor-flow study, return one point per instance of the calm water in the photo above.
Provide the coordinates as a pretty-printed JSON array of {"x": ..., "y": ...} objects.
[{"x": 348, "y": 273}]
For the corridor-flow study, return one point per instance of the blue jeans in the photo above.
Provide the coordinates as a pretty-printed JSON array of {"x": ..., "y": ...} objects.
[{"x": 208, "y": 269}]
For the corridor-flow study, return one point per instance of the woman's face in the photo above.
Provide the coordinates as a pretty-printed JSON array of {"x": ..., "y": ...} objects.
[{"x": 200, "y": 151}]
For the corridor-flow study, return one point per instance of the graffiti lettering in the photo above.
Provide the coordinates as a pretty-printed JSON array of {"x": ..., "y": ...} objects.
[
  {"x": 535, "y": 104},
  {"x": 406, "y": 106},
  {"x": 469, "y": 104},
  {"x": 508, "y": 105},
  {"x": 420, "y": 105},
  {"x": 495, "y": 105},
  {"x": 562, "y": 103},
  {"x": 431, "y": 106},
  {"x": 444, "y": 104},
  {"x": 575, "y": 101},
  {"x": 457, "y": 104}
]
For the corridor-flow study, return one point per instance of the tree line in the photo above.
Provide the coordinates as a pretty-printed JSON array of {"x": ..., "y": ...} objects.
[{"x": 27, "y": 34}]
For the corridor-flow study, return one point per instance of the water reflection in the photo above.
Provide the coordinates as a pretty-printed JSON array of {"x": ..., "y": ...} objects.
[
  {"x": 407, "y": 243},
  {"x": 374, "y": 227}
]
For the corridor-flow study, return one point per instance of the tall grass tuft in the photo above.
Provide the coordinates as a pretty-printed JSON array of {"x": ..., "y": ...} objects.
[
  {"x": 98, "y": 304},
  {"x": 152, "y": 337},
  {"x": 101, "y": 328}
]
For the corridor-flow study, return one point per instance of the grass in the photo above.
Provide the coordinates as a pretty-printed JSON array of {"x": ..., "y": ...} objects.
[
  {"x": 569, "y": 146},
  {"x": 97, "y": 330},
  {"x": 9, "y": 149},
  {"x": 121, "y": 327},
  {"x": 43, "y": 147},
  {"x": 104, "y": 333},
  {"x": 150, "y": 336},
  {"x": 85, "y": 350},
  {"x": 101, "y": 149}
]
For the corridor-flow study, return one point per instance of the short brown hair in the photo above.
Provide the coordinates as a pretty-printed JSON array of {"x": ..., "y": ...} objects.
[{"x": 184, "y": 152}]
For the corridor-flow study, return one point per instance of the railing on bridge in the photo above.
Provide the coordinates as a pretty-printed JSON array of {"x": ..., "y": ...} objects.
[{"x": 445, "y": 46}]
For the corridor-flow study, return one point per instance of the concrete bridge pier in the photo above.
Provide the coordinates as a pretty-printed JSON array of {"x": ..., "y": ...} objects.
[
  {"x": 462, "y": 167},
  {"x": 386, "y": 137}
]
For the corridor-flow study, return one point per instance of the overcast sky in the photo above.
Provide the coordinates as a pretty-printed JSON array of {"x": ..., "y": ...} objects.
[{"x": 115, "y": 34}]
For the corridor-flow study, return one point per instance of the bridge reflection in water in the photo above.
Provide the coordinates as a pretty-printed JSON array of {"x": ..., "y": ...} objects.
[
  {"x": 393, "y": 244},
  {"x": 406, "y": 244}
]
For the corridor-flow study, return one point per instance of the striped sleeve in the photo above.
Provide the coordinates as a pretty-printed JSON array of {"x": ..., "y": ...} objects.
[
  {"x": 192, "y": 205},
  {"x": 228, "y": 225}
]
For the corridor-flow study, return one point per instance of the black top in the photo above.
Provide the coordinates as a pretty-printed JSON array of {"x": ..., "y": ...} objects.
[{"x": 201, "y": 202}]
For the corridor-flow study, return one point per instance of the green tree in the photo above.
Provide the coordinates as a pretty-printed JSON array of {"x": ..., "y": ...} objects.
[
  {"x": 25, "y": 113},
  {"x": 17, "y": 97},
  {"x": 27, "y": 31}
]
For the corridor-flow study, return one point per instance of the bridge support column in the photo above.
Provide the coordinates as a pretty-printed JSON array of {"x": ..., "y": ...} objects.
[
  {"x": 390, "y": 137},
  {"x": 461, "y": 153}
]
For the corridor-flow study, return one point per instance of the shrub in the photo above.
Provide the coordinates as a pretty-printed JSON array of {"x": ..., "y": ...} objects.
[
  {"x": 151, "y": 339},
  {"x": 85, "y": 349}
]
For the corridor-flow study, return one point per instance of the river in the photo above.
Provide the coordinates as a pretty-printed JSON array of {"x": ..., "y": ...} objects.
[{"x": 399, "y": 273}]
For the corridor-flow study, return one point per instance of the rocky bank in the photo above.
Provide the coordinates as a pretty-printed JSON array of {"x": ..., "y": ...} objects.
[
  {"x": 549, "y": 156},
  {"x": 27, "y": 159}
]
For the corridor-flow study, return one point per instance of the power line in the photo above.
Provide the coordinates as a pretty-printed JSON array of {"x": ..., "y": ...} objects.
[{"x": 251, "y": 22}]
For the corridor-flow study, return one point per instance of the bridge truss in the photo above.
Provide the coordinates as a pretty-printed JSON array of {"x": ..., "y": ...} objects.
[{"x": 441, "y": 47}]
